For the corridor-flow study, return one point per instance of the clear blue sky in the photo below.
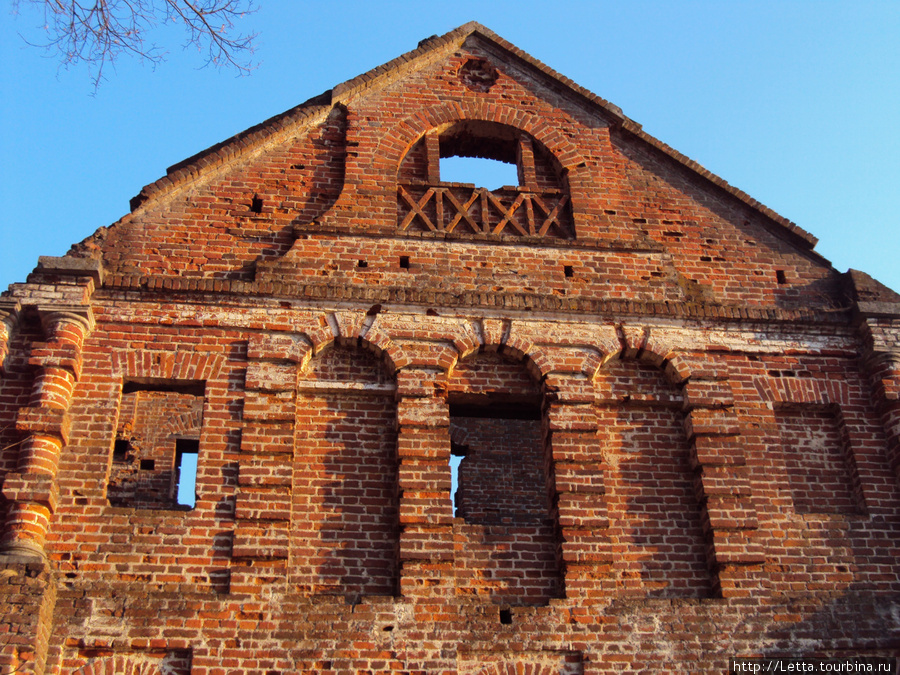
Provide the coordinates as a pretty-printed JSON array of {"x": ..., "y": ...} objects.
[{"x": 796, "y": 103}]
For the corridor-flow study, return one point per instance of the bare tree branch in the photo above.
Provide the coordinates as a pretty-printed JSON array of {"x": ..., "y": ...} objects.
[{"x": 97, "y": 32}]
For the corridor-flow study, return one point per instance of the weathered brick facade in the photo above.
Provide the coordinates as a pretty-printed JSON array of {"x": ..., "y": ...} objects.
[{"x": 679, "y": 426}]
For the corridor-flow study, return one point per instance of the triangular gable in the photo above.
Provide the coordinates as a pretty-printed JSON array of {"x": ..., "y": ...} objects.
[{"x": 429, "y": 50}]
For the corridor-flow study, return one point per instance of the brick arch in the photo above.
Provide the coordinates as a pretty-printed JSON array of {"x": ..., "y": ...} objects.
[
  {"x": 120, "y": 664},
  {"x": 397, "y": 142},
  {"x": 501, "y": 337},
  {"x": 168, "y": 365},
  {"x": 184, "y": 425},
  {"x": 518, "y": 669},
  {"x": 643, "y": 345},
  {"x": 802, "y": 390},
  {"x": 356, "y": 328}
]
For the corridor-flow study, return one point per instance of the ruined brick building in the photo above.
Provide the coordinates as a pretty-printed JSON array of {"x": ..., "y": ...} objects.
[{"x": 678, "y": 427}]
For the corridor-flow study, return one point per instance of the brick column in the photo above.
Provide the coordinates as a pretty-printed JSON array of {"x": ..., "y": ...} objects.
[
  {"x": 32, "y": 489},
  {"x": 265, "y": 468},
  {"x": 722, "y": 483},
  {"x": 9, "y": 314},
  {"x": 426, "y": 510},
  {"x": 579, "y": 472}
]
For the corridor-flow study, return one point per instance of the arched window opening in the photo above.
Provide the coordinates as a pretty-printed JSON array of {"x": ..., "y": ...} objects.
[{"x": 475, "y": 177}]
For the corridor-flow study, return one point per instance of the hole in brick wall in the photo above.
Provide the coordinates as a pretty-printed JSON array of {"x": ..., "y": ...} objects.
[
  {"x": 155, "y": 452},
  {"x": 256, "y": 204},
  {"x": 506, "y": 616},
  {"x": 404, "y": 262},
  {"x": 362, "y": 263},
  {"x": 120, "y": 450},
  {"x": 779, "y": 275},
  {"x": 569, "y": 271},
  {"x": 187, "y": 450}
]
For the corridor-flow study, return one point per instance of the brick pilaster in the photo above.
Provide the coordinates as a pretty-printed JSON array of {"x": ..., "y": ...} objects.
[
  {"x": 721, "y": 481},
  {"x": 32, "y": 489},
  {"x": 579, "y": 474},
  {"x": 265, "y": 468},
  {"x": 423, "y": 446}
]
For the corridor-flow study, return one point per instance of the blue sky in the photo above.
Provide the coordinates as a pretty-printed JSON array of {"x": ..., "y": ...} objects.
[{"x": 796, "y": 103}]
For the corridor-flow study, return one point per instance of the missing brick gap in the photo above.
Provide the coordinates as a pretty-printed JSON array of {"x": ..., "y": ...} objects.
[
  {"x": 569, "y": 271},
  {"x": 256, "y": 204},
  {"x": 362, "y": 263},
  {"x": 404, "y": 262},
  {"x": 779, "y": 274},
  {"x": 506, "y": 616}
]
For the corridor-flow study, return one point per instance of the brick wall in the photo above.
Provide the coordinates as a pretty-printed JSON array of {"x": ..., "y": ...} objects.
[{"x": 679, "y": 426}]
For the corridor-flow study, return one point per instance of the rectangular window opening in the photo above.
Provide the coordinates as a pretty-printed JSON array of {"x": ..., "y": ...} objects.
[
  {"x": 154, "y": 455},
  {"x": 404, "y": 262},
  {"x": 187, "y": 451},
  {"x": 779, "y": 275}
]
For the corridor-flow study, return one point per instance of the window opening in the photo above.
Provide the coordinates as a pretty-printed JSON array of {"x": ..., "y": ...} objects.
[
  {"x": 506, "y": 616},
  {"x": 490, "y": 173},
  {"x": 157, "y": 439},
  {"x": 569, "y": 271},
  {"x": 404, "y": 262},
  {"x": 457, "y": 452},
  {"x": 187, "y": 450},
  {"x": 779, "y": 275}
]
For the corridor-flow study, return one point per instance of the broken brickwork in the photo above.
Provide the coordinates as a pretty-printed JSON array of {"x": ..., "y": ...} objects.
[{"x": 677, "y": 426}]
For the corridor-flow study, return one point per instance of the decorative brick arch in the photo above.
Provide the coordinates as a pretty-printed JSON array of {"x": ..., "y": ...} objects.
[
  {"x": 498, "y": 335},
  {"x": 641, "y": 344},
  {"x": 356, "y": 327},
  {"x": 397, "y": 142}
]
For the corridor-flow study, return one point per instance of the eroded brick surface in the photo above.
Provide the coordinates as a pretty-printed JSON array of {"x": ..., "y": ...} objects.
[{"x": 679, "y": 427}]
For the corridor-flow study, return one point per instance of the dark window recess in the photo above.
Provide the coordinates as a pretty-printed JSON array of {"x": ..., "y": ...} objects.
[
  {"x": 256, "y": 204},
  {"x": 187, "y": 451},
  {"x": 568, "y": 271},
  {"x": 120, "y": 450},
  {"x": 362, "y": 263},
  {"x": 148, "y": 465},
  {"x": 506, "y": 616},
  {"x": 779, "y": 274},
  {"x": 404, "y": 262}
]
